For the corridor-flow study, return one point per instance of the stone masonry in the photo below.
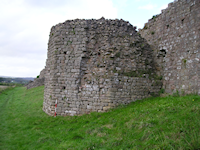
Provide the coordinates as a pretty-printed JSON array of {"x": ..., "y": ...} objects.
[
  {"x": 37, "y": 81},
  {"x": 94, "y": 65},
  {"x": 175, "y": 38}
]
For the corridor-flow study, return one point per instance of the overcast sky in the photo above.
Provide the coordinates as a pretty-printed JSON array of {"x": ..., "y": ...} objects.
[{"x": 25, "y": 26}]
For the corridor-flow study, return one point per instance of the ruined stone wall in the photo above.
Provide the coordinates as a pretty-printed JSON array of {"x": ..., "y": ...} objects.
[
  {"x": 94, "y": 65},
  {"x": 37, "y": 81},
  {"x": 42, "y": 74},
  {"x": 175, "y": 38}
]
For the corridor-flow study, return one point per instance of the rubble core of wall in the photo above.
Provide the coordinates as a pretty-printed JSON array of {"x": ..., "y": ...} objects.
[
  {"x": 175, "y": 37},
  {"x": 42, "y": 74},
  {"x": 37, "y": 81},
  {"x": 94, "y": 65}
]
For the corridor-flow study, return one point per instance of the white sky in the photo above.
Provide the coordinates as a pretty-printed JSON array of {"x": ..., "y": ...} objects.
[{"x": 25, "y": 26}]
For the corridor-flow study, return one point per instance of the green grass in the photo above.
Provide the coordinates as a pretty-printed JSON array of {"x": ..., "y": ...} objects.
[
  {"x": 153, "y": 123},
  {"x": 4, "y": 87}
]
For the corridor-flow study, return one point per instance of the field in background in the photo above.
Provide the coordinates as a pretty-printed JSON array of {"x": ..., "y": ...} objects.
[
  {"x": 2, "y": 87},
  {"x": 153, "y": 123}
]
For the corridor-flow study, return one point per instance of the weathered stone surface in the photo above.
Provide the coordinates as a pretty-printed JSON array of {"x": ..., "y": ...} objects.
[
  {"x": 175, "y": 37},
  {"x": 111, "y": 64},
  {"x": 95, "y": 65},
  {"x": 37, "y": 81}
]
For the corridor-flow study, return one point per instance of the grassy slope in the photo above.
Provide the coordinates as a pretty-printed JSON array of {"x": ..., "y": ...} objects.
[{"x": 154, "y": 123}]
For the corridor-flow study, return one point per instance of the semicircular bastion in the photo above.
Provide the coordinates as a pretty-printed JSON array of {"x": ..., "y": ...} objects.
[{"x": 95, "y": 65}]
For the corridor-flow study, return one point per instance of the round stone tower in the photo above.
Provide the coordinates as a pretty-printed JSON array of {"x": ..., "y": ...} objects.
[{"x": 94, "y": 65}]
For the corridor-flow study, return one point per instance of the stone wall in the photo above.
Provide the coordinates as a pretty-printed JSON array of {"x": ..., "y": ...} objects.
[
  {"x": 37, "y": 81},
  {"x": 94, "y": 65},
  {"x": 175, "y": 37},
  {"x": 42, "y": 74}
]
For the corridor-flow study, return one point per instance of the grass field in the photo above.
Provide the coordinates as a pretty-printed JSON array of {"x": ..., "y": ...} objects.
[{"x": 153, "y": 123}]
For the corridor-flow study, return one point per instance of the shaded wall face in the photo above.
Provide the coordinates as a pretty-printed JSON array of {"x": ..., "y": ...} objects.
[
  {"x": 115, "y": 68},
  {"x": 175, "y": 37},
  {"x": 94, "y": 65}
]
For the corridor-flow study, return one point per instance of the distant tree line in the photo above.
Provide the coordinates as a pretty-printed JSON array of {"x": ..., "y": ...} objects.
[{"x": 4, "y": 80}]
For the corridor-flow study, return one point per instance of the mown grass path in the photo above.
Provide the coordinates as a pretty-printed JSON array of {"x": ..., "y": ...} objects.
[{"x": 154, "y": 123}]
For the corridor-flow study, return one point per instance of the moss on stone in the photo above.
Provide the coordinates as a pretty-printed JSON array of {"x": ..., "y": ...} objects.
[{"x": 117, "y": 54}]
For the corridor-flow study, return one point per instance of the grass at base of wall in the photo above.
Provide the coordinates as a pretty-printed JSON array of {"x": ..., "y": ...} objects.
[{"x": 153, "y": 123}]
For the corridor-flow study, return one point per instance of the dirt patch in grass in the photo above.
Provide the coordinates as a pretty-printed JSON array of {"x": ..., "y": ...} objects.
[{"x": 2, "y": 87}]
